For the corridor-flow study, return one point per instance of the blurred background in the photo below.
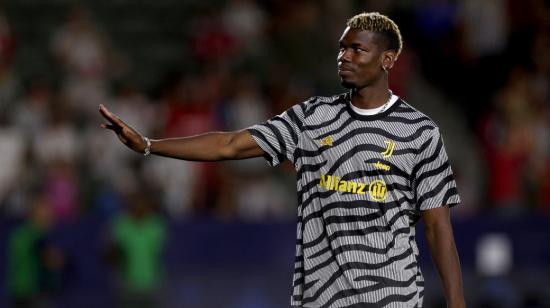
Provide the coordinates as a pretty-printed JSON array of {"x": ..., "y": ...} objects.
[{"x": 84, "y": 222}]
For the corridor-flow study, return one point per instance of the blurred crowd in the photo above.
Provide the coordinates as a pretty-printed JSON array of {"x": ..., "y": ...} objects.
[{"x": 480, "y": 68}]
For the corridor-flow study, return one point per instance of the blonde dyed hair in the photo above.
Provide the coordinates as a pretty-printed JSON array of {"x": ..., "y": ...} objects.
[{"x": 381, "y": 24}]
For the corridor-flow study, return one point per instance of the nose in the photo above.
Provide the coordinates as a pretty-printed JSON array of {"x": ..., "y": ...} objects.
[{"x": 343, "y": 55}]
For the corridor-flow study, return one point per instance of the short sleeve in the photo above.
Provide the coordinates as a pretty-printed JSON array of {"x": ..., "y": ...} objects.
[
  {"x": 278, "y": 137},
  {"x": 432, "y": 177}
]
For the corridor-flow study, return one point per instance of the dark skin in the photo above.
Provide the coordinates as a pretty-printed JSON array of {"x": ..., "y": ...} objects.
[
  {"x": 363, "y": 65},
  {"x": 361, "y": 62}
]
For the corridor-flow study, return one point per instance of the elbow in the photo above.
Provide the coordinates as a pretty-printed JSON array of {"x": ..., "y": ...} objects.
[
  {"x": 438, "y": 234},
  {"x": 228, "y": 150},
  {"x": 227, "y": 153},
  {"x": 429, "y": 233}
]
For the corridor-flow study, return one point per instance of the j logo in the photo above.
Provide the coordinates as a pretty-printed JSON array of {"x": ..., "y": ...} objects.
[{"x": 390, "y": 145}]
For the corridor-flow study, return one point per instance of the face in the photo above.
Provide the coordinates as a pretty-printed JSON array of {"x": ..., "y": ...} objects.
[{"x": 361, "y": 58}]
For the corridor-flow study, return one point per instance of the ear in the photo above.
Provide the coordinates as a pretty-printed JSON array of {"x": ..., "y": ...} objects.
[{"x": 388, "y": 59}]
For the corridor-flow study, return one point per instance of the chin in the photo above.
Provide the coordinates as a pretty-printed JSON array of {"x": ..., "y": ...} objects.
[{"x": 347, "y": 84}]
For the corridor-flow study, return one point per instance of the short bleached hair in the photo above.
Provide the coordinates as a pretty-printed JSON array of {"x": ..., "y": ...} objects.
[{"x": 381, "y": 24}]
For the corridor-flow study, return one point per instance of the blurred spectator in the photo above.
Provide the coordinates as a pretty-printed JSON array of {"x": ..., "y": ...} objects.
[
  {"x": 540, "y": 162},
  {"x": 8, "y": 76},
  {"x": 245, "y": 20},
  {"x": 299, "y": 41},
  {"x": 62, "y": 190},
  {"x": 138, "y": 238},
  {"x": 189, "y": 108},
  {"x": 114, "y": 165},
  {"x": 35, "y": 264},
  {"x": 261, "y": 197},
  {"x": 12, "y": 148},
  {"x": 7, "y": 42},
  {"x": 509, "y": 139},
  {"x": 211, "y": 41},
  {"x": 57, "y": 150},
  {"x": 494, "y": 259},
  {"x": 246, "y": 106},
  {"x": 87, "y": 59},
  {"x": 485, "y": 25},
  {"x": 59, "y": 139},
  {"x": 32, "y": 110}
]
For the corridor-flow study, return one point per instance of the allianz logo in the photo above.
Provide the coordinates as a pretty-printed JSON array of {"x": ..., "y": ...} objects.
[{"x": 376, "y": 189}]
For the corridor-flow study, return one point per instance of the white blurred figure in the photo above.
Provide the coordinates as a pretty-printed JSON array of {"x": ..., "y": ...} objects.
[
  {"x": 261, "y": 197},
  {"x": 85, "y": 55},
  {"x": 57, "y": 150},
  {"x": 246, "y": 107},
  {"x": 186, "y": 110},
  {"x": 59, "y": 141},
  {"x": 79, "y": 46},
  {"x": 12, "y": 148},
  {"x": 177, "y": 183},
  {"x": 494, "y": 263},
  {"x": 494, "y": 255},
  {"x": 486, "y": 26},
  {"x": 245, "y": 20},
  {"x": 31, "y": 112}
]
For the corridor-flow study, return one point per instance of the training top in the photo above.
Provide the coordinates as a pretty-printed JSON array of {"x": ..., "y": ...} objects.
[{"x": 362, "y": 182}]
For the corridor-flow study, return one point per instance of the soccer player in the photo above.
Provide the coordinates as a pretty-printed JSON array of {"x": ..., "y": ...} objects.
[{"x": 369, "y": 166}]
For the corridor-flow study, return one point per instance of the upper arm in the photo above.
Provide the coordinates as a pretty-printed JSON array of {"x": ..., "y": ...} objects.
[
  {"x": 241, "y": 145},
  {"x": 437, "y": 219}
]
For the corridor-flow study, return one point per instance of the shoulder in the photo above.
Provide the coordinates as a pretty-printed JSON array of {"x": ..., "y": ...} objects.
[
  {"x": 322, "y": 104},
  {"x": 407, "y": 111}
]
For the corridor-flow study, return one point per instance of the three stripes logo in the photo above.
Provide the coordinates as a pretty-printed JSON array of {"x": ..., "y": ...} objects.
[
  {"x": 390, "y": 145},
  {"x": 327, "y": 141}
]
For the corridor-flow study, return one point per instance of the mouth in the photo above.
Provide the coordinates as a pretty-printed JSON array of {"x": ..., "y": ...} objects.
[
  {"x": 344, "y": 73},
  {"x": 344, "y": 69}
]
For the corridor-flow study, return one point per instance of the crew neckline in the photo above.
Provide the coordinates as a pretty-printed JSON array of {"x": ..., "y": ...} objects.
[
  {"x": 357, "y": 113},
  {"x": 372, "y": 111}
]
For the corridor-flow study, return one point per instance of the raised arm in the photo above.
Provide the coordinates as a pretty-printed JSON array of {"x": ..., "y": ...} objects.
[
  {"x": 213, "y": 146},
  {"x": 439, "y": 235}
]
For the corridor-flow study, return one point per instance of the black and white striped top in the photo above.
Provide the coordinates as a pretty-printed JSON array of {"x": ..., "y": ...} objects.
[{"x": 362, "y": 183}]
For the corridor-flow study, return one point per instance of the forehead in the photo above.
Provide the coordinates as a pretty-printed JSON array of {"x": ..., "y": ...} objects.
[{"x": 358, "y": 36}]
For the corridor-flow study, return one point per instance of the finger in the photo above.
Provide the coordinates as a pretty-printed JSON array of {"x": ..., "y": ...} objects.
[
  {"x": 107, "y": 126},
  {"x": 105, "y": 113},
  {"x": 115, "y": 128},
  {"x": 110, "y": 116}
]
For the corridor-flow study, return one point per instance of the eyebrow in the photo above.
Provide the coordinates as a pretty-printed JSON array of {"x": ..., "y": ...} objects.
[{"x": 353, "y": 44}]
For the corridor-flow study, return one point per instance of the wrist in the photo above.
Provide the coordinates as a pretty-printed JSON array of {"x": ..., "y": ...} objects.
[{"x": 147, "y": 148}]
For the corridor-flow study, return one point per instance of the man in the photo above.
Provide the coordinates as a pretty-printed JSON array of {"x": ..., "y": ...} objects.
[{"x": 369, "y": 166}]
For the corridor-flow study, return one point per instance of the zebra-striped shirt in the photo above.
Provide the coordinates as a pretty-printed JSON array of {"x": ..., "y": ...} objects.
[{"x": 362, "y": 183}]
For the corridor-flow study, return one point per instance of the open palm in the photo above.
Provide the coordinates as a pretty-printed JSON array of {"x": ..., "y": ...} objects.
[{"x": 126, "y": 134}]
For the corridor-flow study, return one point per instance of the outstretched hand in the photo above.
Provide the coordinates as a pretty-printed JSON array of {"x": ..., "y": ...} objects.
[{"x": 126, "y": 134}]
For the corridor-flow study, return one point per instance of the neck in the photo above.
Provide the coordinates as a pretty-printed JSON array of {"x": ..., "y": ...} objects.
[{"x": 372, "y": 96}]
